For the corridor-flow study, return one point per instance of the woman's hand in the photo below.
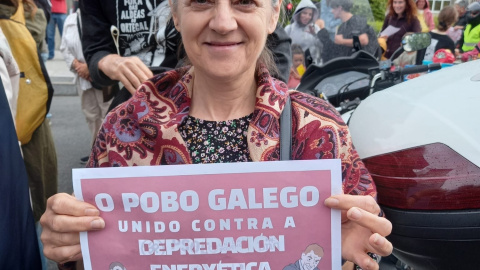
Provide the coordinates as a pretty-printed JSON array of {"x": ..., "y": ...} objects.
[
  {"x": 130, "y": 71},
  {"x": 64, "y": 218},
  {"x": 362, "y": 229}
]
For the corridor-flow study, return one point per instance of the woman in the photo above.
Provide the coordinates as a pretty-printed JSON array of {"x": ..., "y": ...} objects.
[
  {"x": 440, "y": 38},
  {"x": 304, "y": 28},
  {"x": 222, "y": 41},
  {"x": 425, "y": 16},
  {"x": 401, "y": 17}
]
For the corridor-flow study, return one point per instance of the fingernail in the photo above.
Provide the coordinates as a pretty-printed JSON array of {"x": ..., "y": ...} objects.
[
  {"x": 332, "y": 201},
  {"x": 379, "y": 241},
  {"x": 369, "y": 263},
  {"x": 91, "y": 212},
  {"x": 355, "y": 214},
  {"x": 97, "y": 224}
]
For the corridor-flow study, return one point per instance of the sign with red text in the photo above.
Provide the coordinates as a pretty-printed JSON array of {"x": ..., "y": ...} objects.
[{"x": 235, "y": 216}]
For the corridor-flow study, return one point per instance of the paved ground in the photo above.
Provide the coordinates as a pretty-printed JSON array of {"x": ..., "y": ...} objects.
[{"x": 69, "y": 129}]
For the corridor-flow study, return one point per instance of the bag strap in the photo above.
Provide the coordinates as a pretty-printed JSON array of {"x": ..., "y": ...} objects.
[
  {"x": 286, "y": 130},
  {"x": 79, "y": 24}
]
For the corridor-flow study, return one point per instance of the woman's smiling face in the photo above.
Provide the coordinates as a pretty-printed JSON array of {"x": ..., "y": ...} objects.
[
  {"x": 224, "y": 38},
  {"x": 306, "y": 16},
  {"x": 399, "y": 6}
]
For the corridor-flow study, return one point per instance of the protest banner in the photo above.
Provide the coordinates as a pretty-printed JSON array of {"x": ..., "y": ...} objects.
[{"x": 266, "y": 215}]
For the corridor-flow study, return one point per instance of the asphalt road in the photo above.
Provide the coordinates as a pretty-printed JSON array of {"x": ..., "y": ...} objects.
[
  {"x": 72, "y": 141},
  {"x": 71, "y": 136}
]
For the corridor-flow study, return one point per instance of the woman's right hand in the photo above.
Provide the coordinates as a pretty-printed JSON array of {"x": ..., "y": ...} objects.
[{"x": 64, "y": 218}]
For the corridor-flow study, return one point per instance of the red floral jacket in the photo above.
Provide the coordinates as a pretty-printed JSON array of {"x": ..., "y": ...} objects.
[{"x": 143, "y": 131}]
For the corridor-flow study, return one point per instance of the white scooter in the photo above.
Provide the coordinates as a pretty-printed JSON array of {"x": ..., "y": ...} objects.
[{"x": 420, "y": 140}]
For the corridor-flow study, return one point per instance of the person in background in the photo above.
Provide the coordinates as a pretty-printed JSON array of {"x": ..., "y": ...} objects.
[
  {"x": 331, "y": 23},
  {"x": 401, "y": 15},
  {"x": 461, "y": 7},
  {"x": 303, "y": 29},
  {"x": 19, "y": 247},
  {"x": 471, "y": 34},
  {"x": 351, "y": 26},
  {"x": 10, "y": 74},
  {"x": 57, "y": 19},
  {"x": 425, "y": 16},
  {"x": 33, "y": 103},
  {"x": 455, "y": 32},
  {"x": 226, "y": 84},
  {"x": 35, "y": 14},
  {"x": 471, "y": 55},
  {"x": 93, "y": 105},
  {"x": 440, "y": 40},
  {"x": 298, "y": 59}
]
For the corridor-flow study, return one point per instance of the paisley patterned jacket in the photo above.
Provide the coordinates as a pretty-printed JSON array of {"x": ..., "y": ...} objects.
[{"x": 143, "y": 131}]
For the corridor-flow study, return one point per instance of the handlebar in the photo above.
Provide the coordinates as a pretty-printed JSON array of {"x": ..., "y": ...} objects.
[{"x": 420, "y": 68}]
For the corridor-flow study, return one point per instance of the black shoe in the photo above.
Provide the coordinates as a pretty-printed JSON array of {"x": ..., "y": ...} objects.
[{"x": 84, "y": 159}]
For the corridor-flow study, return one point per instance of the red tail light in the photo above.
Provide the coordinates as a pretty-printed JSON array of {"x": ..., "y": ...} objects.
[{"x": 428, "y": 177}]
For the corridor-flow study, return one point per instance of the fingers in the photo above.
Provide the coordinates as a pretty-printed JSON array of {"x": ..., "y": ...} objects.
[
  {"x": 64, "y": 218},
  {"x": 365, "y": 262},
  {"x": 380, "y": 245},
  {"x": 68, "y": 224},
  {"x": 345, "y": 202},
  {"x": 64, "y": 204},
  {"x": 135, "y": 72},
  {"x": 63, "y": 254},
  {"x": 60, "y": 239},
  {"x": 130, "y": 71},
  {"x": 370, "y": 221},
  {"x": 67, "y": 214}
]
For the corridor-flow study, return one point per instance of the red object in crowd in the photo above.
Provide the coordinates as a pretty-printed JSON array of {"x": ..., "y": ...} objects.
[
  {"x": 289, "y": 6},
  {"x": 443, "y": 56}
]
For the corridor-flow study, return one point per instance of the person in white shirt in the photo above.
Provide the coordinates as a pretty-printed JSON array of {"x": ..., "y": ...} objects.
[{"x": 93, "y": 105}]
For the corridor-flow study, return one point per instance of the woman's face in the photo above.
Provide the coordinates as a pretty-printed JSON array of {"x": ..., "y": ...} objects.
[
  {"x": 306, "y": 16},
  {"x": 297, "y": 59},
  {"x": 399, "y": 6},
  {"x": 421, "y": 4},
  {"x": 224, "y": 38}
]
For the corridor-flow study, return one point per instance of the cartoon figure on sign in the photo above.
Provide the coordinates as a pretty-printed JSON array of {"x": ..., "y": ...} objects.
[
  {"x": 309, "y": 260},
  {"x": 116, "y": 266}
]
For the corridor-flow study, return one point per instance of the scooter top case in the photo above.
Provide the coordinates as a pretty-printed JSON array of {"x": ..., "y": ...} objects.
[
  {"x": 342, "y": 78},
  {"x": 420, "y": 140}
]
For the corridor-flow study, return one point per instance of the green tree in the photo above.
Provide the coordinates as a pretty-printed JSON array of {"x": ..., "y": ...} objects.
[{"x": 378, "y": 9}]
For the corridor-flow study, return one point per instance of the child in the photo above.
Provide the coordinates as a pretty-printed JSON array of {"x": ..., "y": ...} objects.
[{"x": 298, "y": 68}]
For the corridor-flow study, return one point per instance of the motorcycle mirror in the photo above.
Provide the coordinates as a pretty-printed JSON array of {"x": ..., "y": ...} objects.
[{"x": 415, "y": 41}]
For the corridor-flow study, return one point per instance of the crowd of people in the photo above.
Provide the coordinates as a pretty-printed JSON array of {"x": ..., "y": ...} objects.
[
  {"x": 230, "y": 59},
  {"x": 332, "y": 34}
]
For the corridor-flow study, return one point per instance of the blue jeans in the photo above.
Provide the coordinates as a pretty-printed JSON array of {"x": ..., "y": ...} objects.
[{"x": 55, "y": 19}]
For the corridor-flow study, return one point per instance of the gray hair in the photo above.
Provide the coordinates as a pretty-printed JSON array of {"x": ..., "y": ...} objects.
[
  {"x": 266, "y": 57},
  {"x": 461, "y": 3}
]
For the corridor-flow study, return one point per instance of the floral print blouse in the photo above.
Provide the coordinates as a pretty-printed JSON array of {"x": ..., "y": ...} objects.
[{"x": 216, "y": 142}]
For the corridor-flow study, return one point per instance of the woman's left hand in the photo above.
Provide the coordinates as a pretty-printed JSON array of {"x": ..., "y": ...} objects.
[{"x": 362, "y": 229}]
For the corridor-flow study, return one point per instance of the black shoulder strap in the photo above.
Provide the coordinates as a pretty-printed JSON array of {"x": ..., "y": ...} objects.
[
  {"x": 79, "y": 24},
  {"x": 286, "y": 130}
]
